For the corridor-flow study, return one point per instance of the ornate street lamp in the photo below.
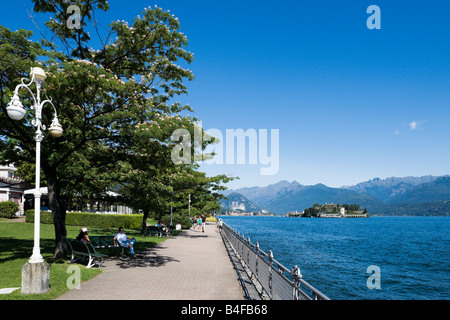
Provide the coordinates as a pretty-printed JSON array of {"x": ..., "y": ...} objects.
[{"x": 16, "y": 111}]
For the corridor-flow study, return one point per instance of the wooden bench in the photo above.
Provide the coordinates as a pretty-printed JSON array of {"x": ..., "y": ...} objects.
[{"x": 85, "y": 249}]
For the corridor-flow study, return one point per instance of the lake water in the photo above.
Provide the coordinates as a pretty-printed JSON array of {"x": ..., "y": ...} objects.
[{"x": 412, "y": 253}]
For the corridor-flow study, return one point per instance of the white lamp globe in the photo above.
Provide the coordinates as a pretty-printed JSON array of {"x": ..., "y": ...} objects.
[
  {"x": 38, "y": 73},
  {"x": 56, "y": 129},
  {"x": 15, "y": 109}
]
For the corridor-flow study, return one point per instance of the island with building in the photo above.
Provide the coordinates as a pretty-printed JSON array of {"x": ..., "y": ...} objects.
[{"x": 330, "y": 210}]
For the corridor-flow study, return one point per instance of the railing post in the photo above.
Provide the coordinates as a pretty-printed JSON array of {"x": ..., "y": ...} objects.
[
  {"x": 248, "y": 250},
  {"x": 270, "y": 255},
  {"x": 257, "y": 259},
  {"x": 242, "y": 246},
  {"x": 238, "y": 243},
  {"x": 297, "y": 276}
]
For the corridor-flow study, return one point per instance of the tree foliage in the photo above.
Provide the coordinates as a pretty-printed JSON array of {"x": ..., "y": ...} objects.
[
  {"x": 8, "y": 209},
  {"x": 116, "y": 104}
]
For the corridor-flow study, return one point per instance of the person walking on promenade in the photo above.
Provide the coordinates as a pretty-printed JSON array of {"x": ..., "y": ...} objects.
[
  {"x": 199, "y": 223},
  {"x": 203, "y": 223}
]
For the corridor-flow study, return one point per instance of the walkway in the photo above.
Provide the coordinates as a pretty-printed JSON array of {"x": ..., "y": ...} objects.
[{"x": 190, "y": 266}]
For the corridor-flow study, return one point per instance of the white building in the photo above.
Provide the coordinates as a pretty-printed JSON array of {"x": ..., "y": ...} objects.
[{"x": 11, "y": 187}]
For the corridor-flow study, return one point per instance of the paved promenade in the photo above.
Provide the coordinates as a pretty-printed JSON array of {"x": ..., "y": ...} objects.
[{"x": 191, "y": 266}]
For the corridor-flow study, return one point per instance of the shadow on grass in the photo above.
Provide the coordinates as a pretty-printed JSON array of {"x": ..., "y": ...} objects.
[{"x": 12, "y": 248}]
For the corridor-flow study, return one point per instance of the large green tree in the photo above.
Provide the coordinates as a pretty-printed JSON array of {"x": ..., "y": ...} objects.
[
  {"x": 105, "y": 92},
  {"x": 151, "y": 181}
]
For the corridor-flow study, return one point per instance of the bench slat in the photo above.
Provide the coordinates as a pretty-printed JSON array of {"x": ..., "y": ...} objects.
[{"x": 99, "y": 242}]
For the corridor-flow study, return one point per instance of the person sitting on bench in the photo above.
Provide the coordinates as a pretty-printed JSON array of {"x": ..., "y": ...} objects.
[
  {"x": 122, "y": 240},
  {"x": 83, "y": 235}
]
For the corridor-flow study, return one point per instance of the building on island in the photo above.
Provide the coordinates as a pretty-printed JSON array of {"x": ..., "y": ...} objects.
[{"x": 330, "y": 210}]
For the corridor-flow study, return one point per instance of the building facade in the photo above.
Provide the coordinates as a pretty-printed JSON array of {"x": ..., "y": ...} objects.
[{"x": 11, "y": 187}]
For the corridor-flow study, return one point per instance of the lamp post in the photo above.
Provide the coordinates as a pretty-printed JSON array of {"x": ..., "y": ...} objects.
[
  {"x": 16, "y": 111},
  {"x": 171, "y": 211}
]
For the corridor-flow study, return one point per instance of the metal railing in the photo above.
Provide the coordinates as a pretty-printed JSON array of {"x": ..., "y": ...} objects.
[{"x": 274, "y": 280}]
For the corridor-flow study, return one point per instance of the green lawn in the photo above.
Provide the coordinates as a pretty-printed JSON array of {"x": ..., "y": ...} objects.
[{"x": 16, "y": 246}]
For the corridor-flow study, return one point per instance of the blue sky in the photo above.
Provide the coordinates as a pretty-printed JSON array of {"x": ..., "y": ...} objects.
[{"x": 350, "y": 103}]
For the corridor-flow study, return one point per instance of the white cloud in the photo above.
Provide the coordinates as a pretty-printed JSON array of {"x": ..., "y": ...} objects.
[{"x": 416, "y": 124}]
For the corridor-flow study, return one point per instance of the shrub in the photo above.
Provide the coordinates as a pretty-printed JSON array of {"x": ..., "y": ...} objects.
[
  {"x": 132, "y": 221},
  {"x": 8, "y": 209},
  {"x": 176, "y": 218}
]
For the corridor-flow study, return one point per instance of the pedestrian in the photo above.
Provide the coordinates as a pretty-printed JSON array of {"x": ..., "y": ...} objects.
[
  {"x": 203, "y": 223},
  {"x": 199, "y": 223},
  {"x": 194, "y": 223}
]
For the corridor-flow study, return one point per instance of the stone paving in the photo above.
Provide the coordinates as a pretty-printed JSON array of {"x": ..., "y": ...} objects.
[{"x": 191, "y": 266}]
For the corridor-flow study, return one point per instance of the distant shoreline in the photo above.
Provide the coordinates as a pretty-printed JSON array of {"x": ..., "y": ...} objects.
[{"x": 371, "y": 216}]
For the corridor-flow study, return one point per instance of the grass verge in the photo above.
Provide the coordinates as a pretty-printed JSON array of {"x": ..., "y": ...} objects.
[{"x": 16, "y": 246}]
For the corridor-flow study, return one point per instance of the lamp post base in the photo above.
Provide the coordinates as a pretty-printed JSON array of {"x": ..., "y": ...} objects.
[
  {"x": 36, "y": 257},
  {"x": 35, "y": 277}
]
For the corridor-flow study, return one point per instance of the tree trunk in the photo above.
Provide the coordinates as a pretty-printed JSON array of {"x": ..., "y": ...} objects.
[
  {"x": 144, "y": 222},
  {"x": 59, "y": 214}
]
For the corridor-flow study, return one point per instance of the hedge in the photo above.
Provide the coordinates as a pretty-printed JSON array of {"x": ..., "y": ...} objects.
[
  {"x": 87, "y": 219},
  {"x": 8, "y": 209}
]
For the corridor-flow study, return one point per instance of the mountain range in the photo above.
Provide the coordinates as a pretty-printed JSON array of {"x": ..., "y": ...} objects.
[
  {"x": 236, "y": 202},
  {"x": 426, "y": 195}
]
